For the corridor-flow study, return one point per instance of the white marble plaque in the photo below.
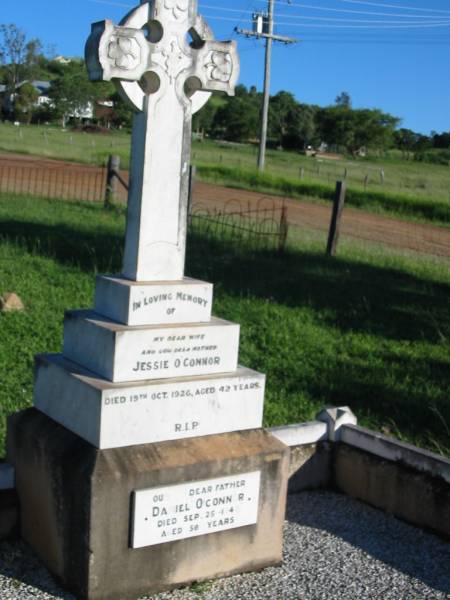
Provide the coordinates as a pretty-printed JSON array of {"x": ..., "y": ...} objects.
[
  {"x": 153, "y": 303},
  {"x": 115, "y": 415},
  {"x": 176, "y": 512},
  {"x": 122, "y": 353}
]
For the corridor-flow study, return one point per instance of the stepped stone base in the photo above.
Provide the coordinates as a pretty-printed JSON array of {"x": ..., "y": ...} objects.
[
  {"x": 122, "y": 353},
  {"x": 112, "y": 415},
  {"x": 78, "y": 505}
]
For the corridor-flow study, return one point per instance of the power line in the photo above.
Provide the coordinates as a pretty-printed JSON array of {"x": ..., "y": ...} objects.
[
  {"x": 367, "y": 3},
  {"x": 379, "y": 41},
  {"x": 373, "y": 24},
  {"x": 402, "y": 26},
  {"x": 241, "y": 18},
  {"x": 383, "y": 24},
  {"x": 309, "y": 18},
  {"x": 219, "y": 18},
  {"x": 357, "y": 12}
]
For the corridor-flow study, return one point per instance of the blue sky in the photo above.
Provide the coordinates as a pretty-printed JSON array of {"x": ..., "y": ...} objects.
[{"x": 389, "y": 54}]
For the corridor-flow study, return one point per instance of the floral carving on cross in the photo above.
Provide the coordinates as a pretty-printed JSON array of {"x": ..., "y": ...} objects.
[
  {"x": 220, "y": 67},
  {"x": 176, "y": 7},
  {"x": 123, "y": 52}
]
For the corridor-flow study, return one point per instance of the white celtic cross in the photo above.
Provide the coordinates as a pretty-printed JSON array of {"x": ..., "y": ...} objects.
[{"x": 165, "y": 62}]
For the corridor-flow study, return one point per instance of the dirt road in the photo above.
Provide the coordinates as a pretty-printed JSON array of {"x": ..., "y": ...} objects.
[{"x": 427, "y": 239}]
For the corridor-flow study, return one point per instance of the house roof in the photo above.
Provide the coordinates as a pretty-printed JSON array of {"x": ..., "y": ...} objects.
[{"x": 41, "y": 86}]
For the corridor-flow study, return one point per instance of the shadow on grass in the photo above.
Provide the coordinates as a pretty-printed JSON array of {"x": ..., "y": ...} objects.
[
  {"x": 349, "y": 295},
  {"x": 82, "y": 248},
  {"x": 382, "y": 382}
]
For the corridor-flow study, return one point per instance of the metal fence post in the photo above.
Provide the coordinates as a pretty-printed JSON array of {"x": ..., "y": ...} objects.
[{"x": 284, "y": 228}]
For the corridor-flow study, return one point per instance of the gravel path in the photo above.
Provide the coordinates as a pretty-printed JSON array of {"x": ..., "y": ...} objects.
[{"x": 335, "y": 549}]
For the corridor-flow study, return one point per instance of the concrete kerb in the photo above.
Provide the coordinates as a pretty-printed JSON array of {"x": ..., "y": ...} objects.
[{"x": 393, "y": 450}]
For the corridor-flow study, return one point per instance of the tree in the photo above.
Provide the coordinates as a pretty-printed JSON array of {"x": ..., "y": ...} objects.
[
  {"x": 13, "y": 52},
  {"x": 72, "y": 92},
  {"x": 18, "y": 57},
  {"x": 354, "y": 129},
  {"x": 405, "y": 140},
  {"x": 203, "y": 120},
  {"x": 441, "y": 140},
  {"x": 25, "y": 102},
  {"x": 343, "y": 100},
  {"x": 282, "y": 110},
  {"x": 122, "y": 110},
  {"x": 291, "y": 123},
  {"x": 238, "y": 119}
]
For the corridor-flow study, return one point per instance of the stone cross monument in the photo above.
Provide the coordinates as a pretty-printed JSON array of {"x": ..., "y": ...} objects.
[
  {"x": 143, "y": 464},
  {"x": 165, "y": 61}
]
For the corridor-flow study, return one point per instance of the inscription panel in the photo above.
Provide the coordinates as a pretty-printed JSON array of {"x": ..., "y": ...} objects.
[
  {"x": 181, "y": 409},
  {"x": 160, "y": 352},
  {"x": 175, "y": 512},
  {"x": 173, "y": 353},
  {"x": 132, "y": 303},
  {"x": 113, "y": 416}
]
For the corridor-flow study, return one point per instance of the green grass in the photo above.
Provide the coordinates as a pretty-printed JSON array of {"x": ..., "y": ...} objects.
[
  {"x": 369, "y": 329},
  {"x": 411, "y": 190},
  {"x": 54, "y": 142},
  {"x": 409, "y": 207}
]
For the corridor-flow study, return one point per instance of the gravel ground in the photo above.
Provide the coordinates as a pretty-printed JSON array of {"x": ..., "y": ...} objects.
[{"x": 335, "y": 549}]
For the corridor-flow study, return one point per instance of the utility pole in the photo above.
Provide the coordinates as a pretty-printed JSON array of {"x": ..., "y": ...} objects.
[{"x": 263, "y": 28}]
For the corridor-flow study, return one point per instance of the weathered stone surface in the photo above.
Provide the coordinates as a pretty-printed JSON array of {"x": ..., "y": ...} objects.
[
  {"x": 122, "y": 353},
  {"x": 75, "y": 504},
  {"x": 335, "y": 418},
  {"x": 392, "y": 449},
  {"x": 311, "y": 467},
  {"x": 123, "y": 414},
  {"x": 402, "y": 491},
  {"x": 154, "y": 302},
  {"x": 10, "y": 302}
]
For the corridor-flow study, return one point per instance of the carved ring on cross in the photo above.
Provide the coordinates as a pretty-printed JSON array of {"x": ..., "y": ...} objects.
[{"x": 149, "y": 51}]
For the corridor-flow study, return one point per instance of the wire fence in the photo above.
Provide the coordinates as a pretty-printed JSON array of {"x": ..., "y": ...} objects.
[
  {"x": 240, "y": 217},
  {"x": 263, "y": 227},
  {"x": 65, "y": 183}
]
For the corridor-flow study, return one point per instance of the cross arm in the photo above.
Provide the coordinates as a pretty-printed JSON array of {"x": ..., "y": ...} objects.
[
  {"x": 216, "y": 66},
  {"x": 116, "y": 52}
]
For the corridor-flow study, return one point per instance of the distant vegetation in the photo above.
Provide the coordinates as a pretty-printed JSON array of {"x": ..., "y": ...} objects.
[{"x": 292, "y": 125}]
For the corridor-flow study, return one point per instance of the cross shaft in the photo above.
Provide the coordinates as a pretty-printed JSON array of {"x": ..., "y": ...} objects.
[{"x": 166, "y": 79}]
